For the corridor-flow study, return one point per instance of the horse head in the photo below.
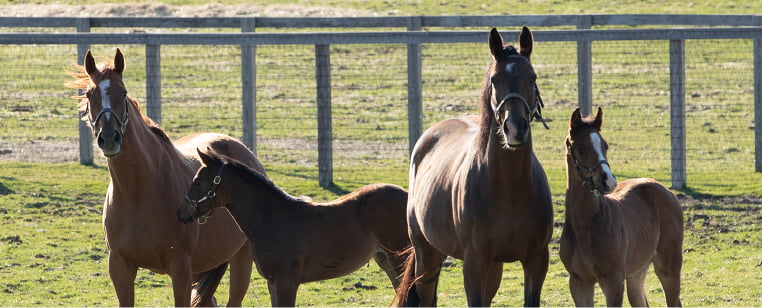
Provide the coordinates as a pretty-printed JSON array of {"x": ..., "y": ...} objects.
[
  {"x": 203, "y": 190},
  {"x": 586, "y": 150},
  {"x": 513, "y": 94},
  {"x": 107, "y": 103}
]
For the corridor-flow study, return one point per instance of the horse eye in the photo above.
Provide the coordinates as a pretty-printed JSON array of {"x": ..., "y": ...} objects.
[{"x": 196, "y": 182}]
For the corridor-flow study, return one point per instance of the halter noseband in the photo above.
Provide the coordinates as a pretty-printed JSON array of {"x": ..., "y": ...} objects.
[
  {"x": 582, "y": 169},
  {"x": 533, "y": 113},
  {"x": 122, "y": 124},
  {"x": 203, "y": 217}
]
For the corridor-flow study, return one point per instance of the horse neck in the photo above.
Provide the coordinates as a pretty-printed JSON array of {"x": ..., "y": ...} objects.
[
  {"x": 518, "y": 162},
  {"x": 249, "y": 199},
  {"x": 147, "y": 160},
  {"x": 581, "y": 203}
]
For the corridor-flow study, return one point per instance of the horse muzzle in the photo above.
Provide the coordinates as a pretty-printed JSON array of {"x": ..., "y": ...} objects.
[
  {"x": 515, "y": 131},
  {"x": 185, "y": 214},
  {"x": 110, "y": 142}
]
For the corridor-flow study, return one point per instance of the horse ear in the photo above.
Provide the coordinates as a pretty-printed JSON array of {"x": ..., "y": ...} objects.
[
  {"x": 576, "y": 118},
  {"x": 90, "y": 66},
  {"x": 205, "y": 158},
  {"x": 119, "y": 61},
  {"x": 495, "y": 43},
  {"x": 599, "y": 119},
  {"x": 526, "y": 41}
]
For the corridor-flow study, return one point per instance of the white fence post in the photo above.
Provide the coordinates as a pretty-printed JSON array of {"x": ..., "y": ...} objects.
[
  {"x": 585, "y": 68},
  {"x": 153, "y": 82},
  {"x": 85, "y": 134},
  {"x": 757, "y": 50},
  {"x": 249, "y": 87},
  {"x": 325, "y": 129},
  {"x": 414, "y": 87},
  {"x": 677, "y": 111}
]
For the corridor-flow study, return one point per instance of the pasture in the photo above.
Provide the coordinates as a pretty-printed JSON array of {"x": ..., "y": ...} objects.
[{"x": 51, "y": 236}]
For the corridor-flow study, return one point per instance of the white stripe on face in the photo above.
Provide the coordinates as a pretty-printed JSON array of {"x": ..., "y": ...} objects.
[
  {"x": 105, "y": 99},
  {"x": 595, "y": 139},
  {"x": 509, "y": 68}
]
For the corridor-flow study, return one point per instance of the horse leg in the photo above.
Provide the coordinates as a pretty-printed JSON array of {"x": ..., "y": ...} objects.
[
  {"x": 668, "y": 269},
  {"x": 535, "y": 269},
  {"x": 636, "y": 288},
  {"x": 384, "y": 258},
  {"x": 122, "y": 275},
  {"x": 481, "y": 278},
  {"x": 240, "y": 275},
  {"x": 182, "y": 280},
  {"x": 283, "y": 290},
  {"x": 612, "y": 285},
  {"x": 582, "y": 290}
]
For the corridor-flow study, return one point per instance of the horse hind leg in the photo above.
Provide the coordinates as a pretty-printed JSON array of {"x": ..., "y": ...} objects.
[
  {"x": 384, "y": 259},
  {"x": 582, "y": 291},
  {"x": 667, "y": 268},
  {"x": 636, "y": 288}
]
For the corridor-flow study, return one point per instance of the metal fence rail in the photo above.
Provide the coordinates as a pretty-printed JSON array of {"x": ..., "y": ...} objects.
[{"x": 743, "y": 27}]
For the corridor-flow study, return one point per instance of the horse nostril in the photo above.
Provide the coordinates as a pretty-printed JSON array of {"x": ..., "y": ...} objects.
[
  {"x": 100, "y": 140},
  {"x": 117, "y": 138}
]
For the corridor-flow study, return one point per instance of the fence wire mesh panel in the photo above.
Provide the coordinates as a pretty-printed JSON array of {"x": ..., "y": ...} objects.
[{"x": 201, "y": 92}]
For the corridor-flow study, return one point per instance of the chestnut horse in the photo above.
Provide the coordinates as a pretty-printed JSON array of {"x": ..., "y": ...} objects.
[
  {"x": 149, "y": 176},
  {"x": 478, "y": 192},
  {"x": 614, "y": 231},
  {"x": 294, "y": 240}
]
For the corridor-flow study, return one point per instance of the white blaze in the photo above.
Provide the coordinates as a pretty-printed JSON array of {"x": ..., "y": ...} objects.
[
  {"x": 105, "y": 99},
  {"x": 595, "y": 139}
]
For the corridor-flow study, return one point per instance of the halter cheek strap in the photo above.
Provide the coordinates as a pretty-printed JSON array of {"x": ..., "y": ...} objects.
[
  {"x": 582, "y": 169},
  {"x": 203, "y": 217},
  {"x": 533, "y": 113},
  {"x": 122, "y": 124}
]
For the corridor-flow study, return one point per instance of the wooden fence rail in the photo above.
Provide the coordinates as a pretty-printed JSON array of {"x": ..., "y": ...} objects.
[{"x": 413, "y": 35}]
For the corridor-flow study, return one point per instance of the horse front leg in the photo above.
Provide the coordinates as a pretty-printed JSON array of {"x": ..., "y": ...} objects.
[
  {"x": 535, "y": 269},
  {"x": 283, "y": 291},
  {"x": 582, "y": 290},
  {"x": 182, "y": 280},
  {"x": 481, "y": 279},
  {"x": 240, "y": 275},
  {"x": 612, "y": 285},
  {"x": 122, "y": 274}
]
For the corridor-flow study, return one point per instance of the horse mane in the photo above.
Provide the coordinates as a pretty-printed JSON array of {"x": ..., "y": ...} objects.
[
  {"x": 487, "y": 116},
  {"x": 82, "y": 81},
  {"x": 252, "y": 176}
]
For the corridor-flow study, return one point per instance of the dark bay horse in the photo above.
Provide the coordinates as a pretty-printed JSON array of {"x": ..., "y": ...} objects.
[
  {"x": 614, "y": 231},
  {"x": 478, "y": 192},
  {"x": 294, "y": 240},
  {"x": 149, "y": 177}
]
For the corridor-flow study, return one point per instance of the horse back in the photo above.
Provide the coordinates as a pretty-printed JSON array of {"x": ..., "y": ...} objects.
[{"x": 222, "y": 144}]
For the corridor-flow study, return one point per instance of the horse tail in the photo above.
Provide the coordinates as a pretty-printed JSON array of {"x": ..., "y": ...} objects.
[
  {"x": 406, "y": 295},
  {"x": 206, "y": 285}
]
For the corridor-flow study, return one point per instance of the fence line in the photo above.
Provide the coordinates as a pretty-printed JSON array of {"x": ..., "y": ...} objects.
[{"x": 413, "y": 37}]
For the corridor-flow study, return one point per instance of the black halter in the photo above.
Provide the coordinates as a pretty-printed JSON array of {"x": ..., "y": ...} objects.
[
  {"x": 584, "y": 171},
  {"x": 203, "y": 217},
  {"x": 122, "y": 124}
]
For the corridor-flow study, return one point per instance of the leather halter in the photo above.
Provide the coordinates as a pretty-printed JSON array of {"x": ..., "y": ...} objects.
[
  {"x": 582, "y": 169},
  {"x": 203, "y": 217},
  {"x": 533, "y": 113},
  {"x": 122, "y": 124}
]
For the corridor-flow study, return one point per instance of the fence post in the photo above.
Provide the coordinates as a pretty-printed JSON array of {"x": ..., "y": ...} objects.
[
  {"x": 249, "y": 87},
  {"x": 414, "y": 87},
  {"x": 325, "y": 130},
  {"x": 758, "y": 99},
  {"x": 153, "y": 82},
  {"x": 585, "y": 68},
  {"x": 85, "y": 134},
  {"x": 677, "y": 111}
]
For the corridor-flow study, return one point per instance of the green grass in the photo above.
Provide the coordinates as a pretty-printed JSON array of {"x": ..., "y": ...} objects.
[{"x": 51, "y": 236}]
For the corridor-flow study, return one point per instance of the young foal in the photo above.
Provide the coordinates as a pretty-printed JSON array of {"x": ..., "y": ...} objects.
[
  {"x": 614, "y": 231},
  {"x": 294, "y": 240}
]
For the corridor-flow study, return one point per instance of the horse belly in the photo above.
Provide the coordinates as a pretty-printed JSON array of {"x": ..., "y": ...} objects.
[
  {"x": 337, "y": 258},
  {"x": 218, "y": 240}
]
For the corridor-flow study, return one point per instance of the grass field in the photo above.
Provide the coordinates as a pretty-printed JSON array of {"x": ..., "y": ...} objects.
[{"x": 51, "y": 239}]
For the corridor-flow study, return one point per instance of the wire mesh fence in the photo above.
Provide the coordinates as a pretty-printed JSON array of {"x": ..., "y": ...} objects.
[{"x": 201, "y": 92}]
